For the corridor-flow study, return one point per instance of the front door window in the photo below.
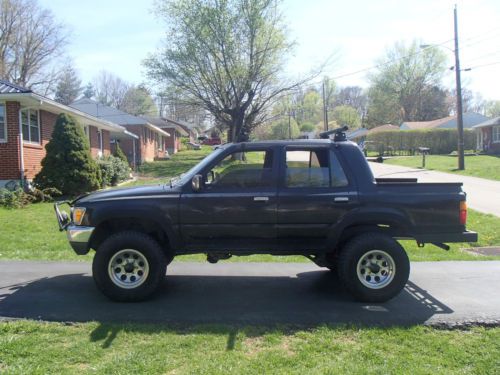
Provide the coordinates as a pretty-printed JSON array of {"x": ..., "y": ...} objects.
[{"x": 241, "y": 170}]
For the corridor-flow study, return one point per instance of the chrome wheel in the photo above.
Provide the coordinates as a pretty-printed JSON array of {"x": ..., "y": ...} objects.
[
  {"x": 128, "y": 268},
  {"x": 376, "y": 269}
]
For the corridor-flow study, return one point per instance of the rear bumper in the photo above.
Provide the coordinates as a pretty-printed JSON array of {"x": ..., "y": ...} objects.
[{"x": 467, "y": 236}]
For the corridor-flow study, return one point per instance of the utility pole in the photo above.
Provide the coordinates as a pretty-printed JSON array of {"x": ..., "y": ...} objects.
[
  {"x": 325, "y": 108},
  {"x": 460, "y": 117}
]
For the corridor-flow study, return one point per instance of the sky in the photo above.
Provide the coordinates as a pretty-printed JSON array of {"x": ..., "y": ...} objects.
[{"x": 116, "y": 35}]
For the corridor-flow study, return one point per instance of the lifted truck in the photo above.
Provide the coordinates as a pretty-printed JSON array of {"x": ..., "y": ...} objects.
[{"x": 316, "y": 198}]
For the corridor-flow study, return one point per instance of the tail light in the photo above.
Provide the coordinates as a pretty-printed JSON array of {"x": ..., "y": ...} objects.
[{"x": 463, "y": 212}]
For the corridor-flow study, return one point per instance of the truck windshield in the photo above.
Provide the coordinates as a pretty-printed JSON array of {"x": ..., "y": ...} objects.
[{"x": 187, "y": 176}]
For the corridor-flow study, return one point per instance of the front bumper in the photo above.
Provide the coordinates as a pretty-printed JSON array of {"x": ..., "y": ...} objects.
[
  {"x": 467, "y": 236},
  {"x": 79, "y": 238}
]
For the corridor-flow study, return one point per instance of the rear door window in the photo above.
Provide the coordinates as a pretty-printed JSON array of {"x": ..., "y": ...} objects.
[{"x": 318, "y": 168}]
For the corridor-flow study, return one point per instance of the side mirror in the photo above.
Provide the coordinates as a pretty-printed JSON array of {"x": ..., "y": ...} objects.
[{"x": 196, "y": 182}]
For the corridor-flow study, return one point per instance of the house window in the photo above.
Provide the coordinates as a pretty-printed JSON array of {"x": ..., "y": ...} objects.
[
  {"x": 3, "y": 126},
  {"x": 496, "y": 134},
  {"x": 30, "y": 120}
]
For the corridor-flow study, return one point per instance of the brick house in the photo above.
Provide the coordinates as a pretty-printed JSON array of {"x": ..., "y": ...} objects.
[
  {"x": 176, "y": 130},
  {"x": 26, "y": 124},
  {"x": 151, "y": 140},
  {"x": 488, "y": 136}
]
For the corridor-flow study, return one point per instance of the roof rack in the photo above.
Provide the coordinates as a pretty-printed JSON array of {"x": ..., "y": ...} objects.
[{"x": 339, "y": 134}]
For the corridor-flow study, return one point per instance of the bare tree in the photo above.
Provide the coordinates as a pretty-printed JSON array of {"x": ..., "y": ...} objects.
[
  {"x": 30, "y": 40},
  {"x": 110, "y": 89},
  {"x": 353, "y": 96},
  {"x": 225, "y": 56},
  {"x": 172, "y": 104}
]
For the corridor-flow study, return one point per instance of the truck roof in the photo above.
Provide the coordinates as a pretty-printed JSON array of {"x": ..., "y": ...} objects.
[{"x": 294, "y": 142}]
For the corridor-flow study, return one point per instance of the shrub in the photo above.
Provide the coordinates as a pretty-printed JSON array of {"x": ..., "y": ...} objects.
[
  {"x": 43, "y": 195},
  {"x": 14, "y": 199},
  {"x": 113, "y": 170},
  {"x": 68, "y": 165},
  {"x": 440, "y": 141},
  {"x": 107, "y": 171},
  {"x": 119, "y": 153},
  {"x": 18, "y": 198},
  {"x": 121, "y": 170}
]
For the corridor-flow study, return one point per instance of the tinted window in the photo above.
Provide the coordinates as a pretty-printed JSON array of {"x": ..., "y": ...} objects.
[
  {"x": 338, "y": 177},
  {"x": 307, "y": 168},
  {"x": 239, "y": 170},
  {"x": 314, "y": 169}
]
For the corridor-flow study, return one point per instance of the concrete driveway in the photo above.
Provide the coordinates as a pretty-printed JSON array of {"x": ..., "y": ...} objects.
[
  {"x": 482, "y": 195},
  {"x": 439, "y": 293}
]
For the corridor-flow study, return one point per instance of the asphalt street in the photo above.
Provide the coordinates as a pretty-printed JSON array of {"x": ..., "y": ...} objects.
[
  {"x": 438, "y": 293},
  {"x": 482, "y": 194}
]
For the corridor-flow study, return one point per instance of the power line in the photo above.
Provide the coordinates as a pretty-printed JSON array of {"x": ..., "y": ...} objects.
[
  {"x": 483, "y": 65},
  {"x": 483, "y": 56},
  {"x": 316, "y": 84}
]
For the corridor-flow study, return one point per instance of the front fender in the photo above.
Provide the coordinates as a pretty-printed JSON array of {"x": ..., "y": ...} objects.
[{"x": 164, "y": 215}]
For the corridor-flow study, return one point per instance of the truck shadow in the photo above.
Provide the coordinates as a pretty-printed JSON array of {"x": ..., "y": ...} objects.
[{"x": 221, "y": 303}]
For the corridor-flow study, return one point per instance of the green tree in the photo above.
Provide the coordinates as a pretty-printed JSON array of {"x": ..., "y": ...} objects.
[
  {"x": 401, "y": 80},
  {"x": 68, "y": 165},
  {"x": 311, "y": 108},
  {"x": 307, "y": 127},
  {"x": 283, "y": 129},
  {"x": 493, "y": 108},
  {"x": 346, "y": 115},
  {"x": 68, "y": 85},
  {"x": 225, "y": 56},
  {"x": 88, "y": 92},
  {"x": 137, "y": 101}
]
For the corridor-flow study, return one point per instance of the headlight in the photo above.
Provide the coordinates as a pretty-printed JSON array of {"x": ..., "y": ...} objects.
[{"x": 78, "y": 213}]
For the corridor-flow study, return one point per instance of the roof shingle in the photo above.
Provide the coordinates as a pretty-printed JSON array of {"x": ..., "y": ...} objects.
[{"x": 11, "y": 88}]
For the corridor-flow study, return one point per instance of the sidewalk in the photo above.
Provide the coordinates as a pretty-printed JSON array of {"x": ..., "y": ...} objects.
[{"x": 482, "y": 195}]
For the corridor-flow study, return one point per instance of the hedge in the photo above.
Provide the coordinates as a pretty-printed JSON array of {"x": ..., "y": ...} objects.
[{"x": 440, "y": 141}]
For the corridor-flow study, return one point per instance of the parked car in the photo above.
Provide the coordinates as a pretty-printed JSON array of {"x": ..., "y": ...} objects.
[
  {"x": 316, "y": 198},
  {"x": 213, "y": 141}
]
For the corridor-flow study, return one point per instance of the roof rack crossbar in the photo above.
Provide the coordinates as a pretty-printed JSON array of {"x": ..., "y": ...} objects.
[{"x": 339, "y": 134}]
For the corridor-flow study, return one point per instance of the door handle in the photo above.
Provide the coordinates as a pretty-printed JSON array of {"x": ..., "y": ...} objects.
[
  {"x": 341, "y": 199},
  {"x": 260, "y": 199}
]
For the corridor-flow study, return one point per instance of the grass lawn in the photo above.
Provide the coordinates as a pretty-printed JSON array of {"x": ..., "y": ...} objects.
[
  {"x": 485, "y": 166},
  {"x": 32, "y": 233},
  {"x": 41, "y": 348},
  {"x": 162, "y": 171}
]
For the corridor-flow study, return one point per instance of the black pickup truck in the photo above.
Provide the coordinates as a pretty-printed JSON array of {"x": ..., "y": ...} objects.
[{"x": 316, "y": 198}]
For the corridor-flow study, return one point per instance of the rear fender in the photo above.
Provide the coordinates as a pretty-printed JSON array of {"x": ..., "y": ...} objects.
[{"x": 391, "y": 221}]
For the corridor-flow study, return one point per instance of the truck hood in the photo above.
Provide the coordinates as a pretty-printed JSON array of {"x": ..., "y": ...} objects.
[{"x": 125, "y": 193}]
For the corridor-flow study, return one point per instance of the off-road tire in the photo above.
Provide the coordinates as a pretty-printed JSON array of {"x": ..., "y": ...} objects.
[
  {"x": 140, "y": 242},
  {"x": 357, "y": 249}
]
